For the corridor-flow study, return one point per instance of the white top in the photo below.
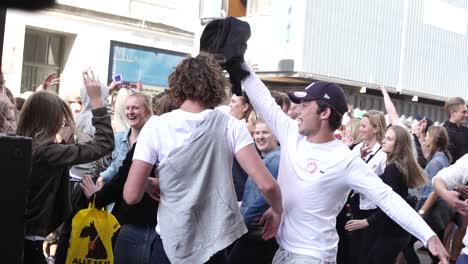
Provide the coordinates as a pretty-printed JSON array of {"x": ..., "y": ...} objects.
[
  {"x": 377, "y": 164},
  {"x": 315, "y": 180},
  {"x": 453, "y": 176},
  {"x": 161, "y": 134}
]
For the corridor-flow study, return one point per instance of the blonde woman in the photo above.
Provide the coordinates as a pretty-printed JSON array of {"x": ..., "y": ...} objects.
[
  {"x": 402, "y": 172},
  {"x": 372, "y": 129}
]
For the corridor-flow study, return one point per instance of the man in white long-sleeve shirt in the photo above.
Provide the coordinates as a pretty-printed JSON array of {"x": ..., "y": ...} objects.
[
  {"x": 444, "y": 183},
  {"x": 317, "y": 172}
]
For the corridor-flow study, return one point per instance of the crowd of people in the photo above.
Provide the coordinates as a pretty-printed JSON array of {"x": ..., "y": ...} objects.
[{"x": 265, "y": 177}]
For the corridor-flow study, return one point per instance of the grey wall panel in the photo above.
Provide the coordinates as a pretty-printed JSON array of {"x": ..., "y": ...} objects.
[
  {"x": 436, "y": 59},
  {"x": 364, "y": 41},
  {"x": 353, "y": 40}
]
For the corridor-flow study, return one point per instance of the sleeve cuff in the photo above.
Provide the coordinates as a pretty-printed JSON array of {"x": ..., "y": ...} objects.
[{"x": 101, "y": 111}]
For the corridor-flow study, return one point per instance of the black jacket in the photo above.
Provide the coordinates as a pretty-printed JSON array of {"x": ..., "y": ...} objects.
[
  {"x": 142, "y": 213},
  {"x": 458, "y": 140},
  {"x": 49, "y": 200}
]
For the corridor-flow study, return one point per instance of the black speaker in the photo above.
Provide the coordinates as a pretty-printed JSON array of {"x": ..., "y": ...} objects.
[
  {"x": 27, "y": 4},
  {"x": 15, "y": 168}
]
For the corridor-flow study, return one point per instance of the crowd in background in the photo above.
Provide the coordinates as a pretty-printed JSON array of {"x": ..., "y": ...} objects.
[{"x": 85, "y": 147}]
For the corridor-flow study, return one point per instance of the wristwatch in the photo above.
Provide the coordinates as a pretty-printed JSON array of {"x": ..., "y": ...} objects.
[{"x": 421, "y": 212}]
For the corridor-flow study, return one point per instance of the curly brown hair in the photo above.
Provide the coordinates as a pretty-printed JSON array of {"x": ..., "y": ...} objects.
[{"x": 200, "y": 79}]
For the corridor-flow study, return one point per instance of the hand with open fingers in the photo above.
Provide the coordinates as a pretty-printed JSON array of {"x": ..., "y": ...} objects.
[
  {"x": 463, "y": 190},
  {"x": 49, "y": 81},
  {"x": 92, "y": 84},
  {"x": 348, "y": 138},
  {"x": 270, "y": 222},
  {"x": 353, "y": 225},
  {"x": 437, "y": 249},
  {"x": 152, "y": 188},
  {"x": 452, "y": 198},
  {"x": 365, "y": 150},
  {"x": 88, "y": 186},
  {"x": 114, "y": 86}
]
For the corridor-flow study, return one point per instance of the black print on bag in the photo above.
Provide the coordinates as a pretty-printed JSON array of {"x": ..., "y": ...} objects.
[{"x": 96, "y": 249}]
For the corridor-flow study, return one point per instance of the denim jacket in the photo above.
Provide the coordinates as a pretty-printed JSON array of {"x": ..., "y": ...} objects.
[
  {"x": 253, "y": 202},
  {"x": 438, "y": 162},
  {"x": 118, "y": 155}
]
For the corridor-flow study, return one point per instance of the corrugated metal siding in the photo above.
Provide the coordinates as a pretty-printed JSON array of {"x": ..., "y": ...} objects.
[
  {"x": 353, "y": 40},
  {"x": 436, "y": 59},
  {"x": 361, "y": 40}
]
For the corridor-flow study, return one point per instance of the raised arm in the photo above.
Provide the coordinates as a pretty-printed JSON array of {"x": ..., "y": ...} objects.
[
  {"x": 101, "y": 145},
  {"x": 266, "y": 107},
  {"x": 390, "y": 107}
]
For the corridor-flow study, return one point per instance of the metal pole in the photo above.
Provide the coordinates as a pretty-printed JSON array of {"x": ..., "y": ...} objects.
[{"x": 2, "y": 32}]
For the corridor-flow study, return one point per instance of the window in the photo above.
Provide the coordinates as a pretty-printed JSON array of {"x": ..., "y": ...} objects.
[
  {"x": 43, "y": 53},
  {"x": 151, "y": 66},
  {"x": 259, "y": 8}
]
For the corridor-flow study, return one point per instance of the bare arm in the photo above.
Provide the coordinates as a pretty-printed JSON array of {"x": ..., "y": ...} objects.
[
  {"x": 390, "y": 107},
  {"x": 137, "y": 181},
  {"x": 428, "y": 203},
  {"x": 250, "y": 161},
  {"x": 451, "y": 197}
]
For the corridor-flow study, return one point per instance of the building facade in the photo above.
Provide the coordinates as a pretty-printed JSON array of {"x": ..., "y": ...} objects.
[
  {"x": 416, "y": 48},
  {"x": 110, "y": 36}
]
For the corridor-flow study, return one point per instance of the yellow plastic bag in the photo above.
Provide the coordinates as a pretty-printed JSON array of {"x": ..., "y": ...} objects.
[{"x": 90, "y": 240}]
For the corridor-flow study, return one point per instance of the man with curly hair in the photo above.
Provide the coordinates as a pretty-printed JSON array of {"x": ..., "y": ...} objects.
[{"x": 194, "y": 146}]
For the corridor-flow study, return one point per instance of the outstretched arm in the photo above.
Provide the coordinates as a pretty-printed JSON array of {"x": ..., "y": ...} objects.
[{"x": 364, "y": 181}]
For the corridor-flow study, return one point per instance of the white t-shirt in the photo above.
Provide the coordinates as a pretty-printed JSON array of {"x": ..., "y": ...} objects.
[
  {"x": 455, "y": 175},
  {"x": 377, "y": 163},
  {"x": 162, "y": 134},
  {"x": 315, "y": 180}
]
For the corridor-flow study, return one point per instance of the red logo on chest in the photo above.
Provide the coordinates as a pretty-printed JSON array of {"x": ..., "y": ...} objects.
[{"x": 311, "y": 166}]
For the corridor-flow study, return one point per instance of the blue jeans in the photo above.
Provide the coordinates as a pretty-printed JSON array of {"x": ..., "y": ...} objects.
[
  {"x": 462, "y": 259},
  {"x": 133, "y": 244},
  {"x": 283, "y": 256}
]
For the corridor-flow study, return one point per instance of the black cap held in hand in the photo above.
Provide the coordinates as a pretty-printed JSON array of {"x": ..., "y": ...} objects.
[
  {"x": 330, "y": 93},
  {"x": 228, "y": 37}
]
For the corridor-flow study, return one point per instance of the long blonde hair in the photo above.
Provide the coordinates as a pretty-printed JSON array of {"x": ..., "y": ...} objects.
[
  {"x": 353, "y": 127},
  {"x": 119, "y": 120},
  {"x": 402, "y": 156}
]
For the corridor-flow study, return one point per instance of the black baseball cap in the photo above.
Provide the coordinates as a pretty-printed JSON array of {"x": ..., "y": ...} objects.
[{"x": 330, "y": 93}]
